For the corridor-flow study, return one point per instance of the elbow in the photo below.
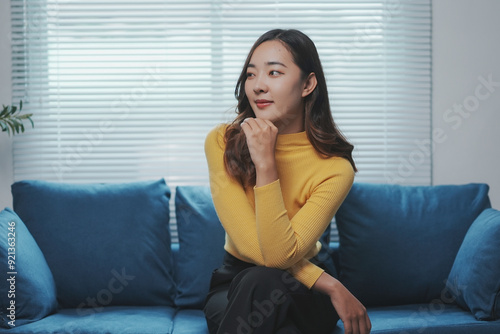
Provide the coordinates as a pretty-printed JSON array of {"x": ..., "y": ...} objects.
[{"x": 283, "y": 265}]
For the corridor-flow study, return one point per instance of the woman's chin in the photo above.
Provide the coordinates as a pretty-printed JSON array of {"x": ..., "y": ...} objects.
[{"x": 267, "y": 117}]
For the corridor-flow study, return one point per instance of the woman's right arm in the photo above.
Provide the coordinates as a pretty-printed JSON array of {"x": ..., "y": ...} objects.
[
  {"x": 231, "y": 202},
  {"x": 350, "y": 310}
]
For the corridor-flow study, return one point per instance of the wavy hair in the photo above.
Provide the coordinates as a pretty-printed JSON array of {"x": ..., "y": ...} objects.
[{"x": 321, "y": 130}]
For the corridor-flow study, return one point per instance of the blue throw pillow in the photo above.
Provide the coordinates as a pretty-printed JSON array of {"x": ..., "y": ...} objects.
[
  {"x": 106, "y": 244},
  {"x": 474, "y": 280},
  {"x": 398, "y": 243},
  {"x": 201, "y": 244},
  {"x": 27, "y": 288}
]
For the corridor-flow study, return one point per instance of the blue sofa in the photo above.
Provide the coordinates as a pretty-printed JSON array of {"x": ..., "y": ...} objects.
[{"x": 98, "y": 258}]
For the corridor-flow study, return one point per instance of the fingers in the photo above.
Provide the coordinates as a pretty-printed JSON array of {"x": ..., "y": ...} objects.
[
  {"x": 355, "y": 326},
  {"x": 261, "y": 140},
  {"x": 368, "y": 323},
  {"x": 246, "y": 121},
  {"x": 258, "y": 127},
  {"x": 258, "y": 123},
  {"x": 351, "y": 327},
  {"x": 363, "y": 323},
  {"x": 249, "y": 126},
  {"x": 347, "y": 327},
  {"x": 358, "y": 326}
]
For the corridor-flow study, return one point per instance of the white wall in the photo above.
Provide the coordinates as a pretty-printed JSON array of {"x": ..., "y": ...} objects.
[
  {"x": 6, "y": 173},
  {"x": 466, "y": 46}
]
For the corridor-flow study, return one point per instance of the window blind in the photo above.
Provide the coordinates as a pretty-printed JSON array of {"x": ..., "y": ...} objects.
[{"x": 126, "y": 90}]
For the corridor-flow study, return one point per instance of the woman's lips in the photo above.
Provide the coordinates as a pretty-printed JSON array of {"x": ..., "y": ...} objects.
[{"x": 263, "y": 103}]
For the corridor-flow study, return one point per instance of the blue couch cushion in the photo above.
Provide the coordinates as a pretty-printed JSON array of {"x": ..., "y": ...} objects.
[
  {"x": 190, "y": 321},
  {"x": 201, "y": 244},
  {"x": 106, "y": 244},
  {"x": 27, "y": 288},
  {"x": 431, "y": 318},
  {"x": 398, "y": 243},
  {"x": 474, "y": 279},
  {"x": 108, "y": 320}
]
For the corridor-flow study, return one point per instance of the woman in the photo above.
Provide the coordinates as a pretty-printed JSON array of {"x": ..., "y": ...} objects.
[{"x": 278, "y": 174}]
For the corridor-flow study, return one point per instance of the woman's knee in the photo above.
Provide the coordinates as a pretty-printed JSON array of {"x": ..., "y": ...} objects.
[
  {"x": 263, "y": 281},
  {"x": 214, "y": 308},
  {"x": 257, "y": 275}
]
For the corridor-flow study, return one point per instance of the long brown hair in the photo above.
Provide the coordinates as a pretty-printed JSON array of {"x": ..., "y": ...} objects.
[{"x": 321, "y": 130}]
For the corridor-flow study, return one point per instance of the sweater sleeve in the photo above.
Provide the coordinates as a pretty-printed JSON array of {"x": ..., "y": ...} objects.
[
  {"x": 283, "y": 241},
  {"x": 231, "y": 203}
]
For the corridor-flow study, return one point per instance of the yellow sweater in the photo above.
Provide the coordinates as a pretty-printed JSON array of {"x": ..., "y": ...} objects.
[{"x": 278, "y": 225}]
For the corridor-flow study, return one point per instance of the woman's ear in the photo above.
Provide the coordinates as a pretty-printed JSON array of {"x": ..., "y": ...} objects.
[{"x": 309, "y": 84}]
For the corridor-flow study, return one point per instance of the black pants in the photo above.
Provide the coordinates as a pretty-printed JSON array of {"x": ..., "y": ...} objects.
[{"x": 245, "y": 298}]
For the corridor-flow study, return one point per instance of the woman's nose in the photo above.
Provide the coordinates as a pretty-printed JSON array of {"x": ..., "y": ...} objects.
[{"x": 260, "y": 85}]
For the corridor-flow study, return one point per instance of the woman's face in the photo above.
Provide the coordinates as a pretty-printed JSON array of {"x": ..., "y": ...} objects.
[{"x": 275, "y": 87}]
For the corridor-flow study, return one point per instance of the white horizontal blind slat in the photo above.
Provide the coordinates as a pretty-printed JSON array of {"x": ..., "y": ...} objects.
[{"x": 126, "y": 90}]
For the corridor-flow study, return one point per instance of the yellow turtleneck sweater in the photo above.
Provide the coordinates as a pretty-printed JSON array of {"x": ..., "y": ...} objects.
[{"x": 278, "y": 225}]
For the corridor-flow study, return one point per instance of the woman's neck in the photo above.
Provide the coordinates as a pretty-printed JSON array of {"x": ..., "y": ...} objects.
[{"x": 288, "y": 126}]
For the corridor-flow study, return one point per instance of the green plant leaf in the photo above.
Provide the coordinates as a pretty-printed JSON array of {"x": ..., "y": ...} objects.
[
  {"x": 25, "y": 116},
  {"x": 16, "y": 125},
  {"x": 11, "y": 127},
  {"x": 19, "y": 125},
  {"x": 5, "y": 111},
  {"x": 11, "y": 119}
]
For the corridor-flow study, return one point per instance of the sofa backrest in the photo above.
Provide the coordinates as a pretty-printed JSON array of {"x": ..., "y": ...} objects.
[{"x": 397, "y": 243}]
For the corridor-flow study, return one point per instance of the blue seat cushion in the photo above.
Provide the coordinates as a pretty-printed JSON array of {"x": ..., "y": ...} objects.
[
  {"x": 110, "y": 319},
  {"x": 398, "y": 243},
  {"x": 430, "y": 318},
  {"x": 27, "y": 288},
  {"x": 474, "y": 280},
  {"x": 106, "y": 244},
  {"x": 190, "y": 321}
]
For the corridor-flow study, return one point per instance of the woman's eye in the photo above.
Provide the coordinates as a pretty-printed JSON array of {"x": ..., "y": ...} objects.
[
  {"x": 249, "y": 74},
  {"x": 274, "y": 73}
]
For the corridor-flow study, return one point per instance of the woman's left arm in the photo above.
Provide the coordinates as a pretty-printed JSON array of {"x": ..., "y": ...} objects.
[{"x": 285, "y": 241}]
